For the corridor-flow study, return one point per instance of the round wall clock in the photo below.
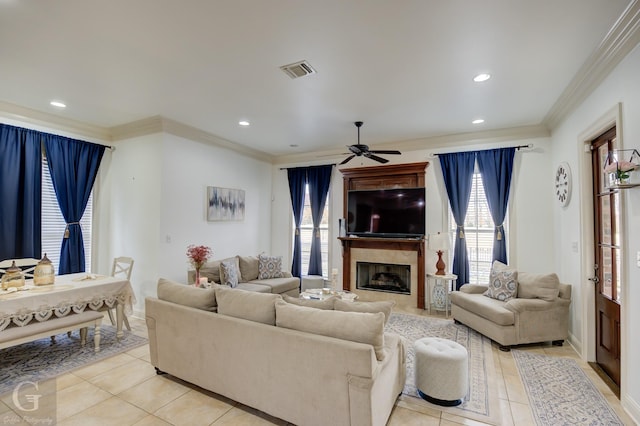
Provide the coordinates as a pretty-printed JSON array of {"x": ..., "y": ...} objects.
[{"x": 563, "y": 183}]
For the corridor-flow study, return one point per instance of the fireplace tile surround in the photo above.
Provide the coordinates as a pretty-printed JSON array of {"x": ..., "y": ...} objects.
[{"x": 386, "y": 256}]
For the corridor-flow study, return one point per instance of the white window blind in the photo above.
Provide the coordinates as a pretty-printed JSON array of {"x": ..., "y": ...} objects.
[
  {"x": 53, "y": 223},
  {"x": 306, "y": 235},
  {"x": 478, "y": 232}
]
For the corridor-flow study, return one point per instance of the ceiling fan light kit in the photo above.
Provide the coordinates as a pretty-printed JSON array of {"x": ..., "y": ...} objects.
[{"x": 361, "y": 150}]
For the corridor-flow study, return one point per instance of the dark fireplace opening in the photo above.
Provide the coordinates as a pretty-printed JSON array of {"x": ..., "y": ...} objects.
[{"x": 387, "y": 277}]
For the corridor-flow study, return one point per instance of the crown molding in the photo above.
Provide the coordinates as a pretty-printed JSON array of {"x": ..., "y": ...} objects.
[
  {"x": 71, "y": 128},
  {"x": 470, "y": 138},
  {"x": 134, "y": 129},
  {"x": 188, "y": 132},
  {"x": 621, "y": 39},
  {"x": 159, "y": 124}
]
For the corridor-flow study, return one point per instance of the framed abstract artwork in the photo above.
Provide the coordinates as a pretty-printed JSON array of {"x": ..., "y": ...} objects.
[{"x": 224, "y": 204}]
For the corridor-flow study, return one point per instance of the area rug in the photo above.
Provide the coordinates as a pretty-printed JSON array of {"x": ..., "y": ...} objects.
[
  {"x": 481, "y": 402},
  {"x": 42, "y": 360},
  {"x": 560, "y": 393}
]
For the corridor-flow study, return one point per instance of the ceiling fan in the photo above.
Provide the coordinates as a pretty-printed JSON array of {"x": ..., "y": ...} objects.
[{"x": 359, "y": 150}]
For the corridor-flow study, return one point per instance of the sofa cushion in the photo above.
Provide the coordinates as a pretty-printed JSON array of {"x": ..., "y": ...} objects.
[
  {"x": 229, "y": 272},
  {"x": 492, "y": 309},
  {"x": 248, "y": 268},
  {"x": 384, "y": 306},
  {"x": 326, "y": 304},
  {"x": 211, "y": 270},
  {"x": 503, "y": 282},
  {"x": 195, "y": 297},
  {"x": 259, "y": 288},
  {"x": 249, "y": 305},
  {"x": 538, "y": 286},
  {"x": 269, "y": 267},
  {"x": 280, "y": 285},
  {"x": 353, "y": 326}
]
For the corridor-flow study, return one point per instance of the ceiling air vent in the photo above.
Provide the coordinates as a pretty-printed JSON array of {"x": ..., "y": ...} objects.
[{"x": 298, "y": 69}]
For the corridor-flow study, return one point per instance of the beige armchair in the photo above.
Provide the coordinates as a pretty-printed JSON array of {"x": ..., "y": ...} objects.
[{"x": 524, "y": 319}]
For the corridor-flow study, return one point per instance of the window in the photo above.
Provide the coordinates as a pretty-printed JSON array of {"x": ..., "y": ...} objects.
[
  {"x": 306, "y": 234},
  {"x": 478, "y": 232},
  {"x": 53, "y": 223}
]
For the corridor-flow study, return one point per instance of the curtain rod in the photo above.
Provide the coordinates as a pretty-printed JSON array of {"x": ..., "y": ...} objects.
[
  {"x": 518, "y": 147},
  {"x": 287, "y": 168}
]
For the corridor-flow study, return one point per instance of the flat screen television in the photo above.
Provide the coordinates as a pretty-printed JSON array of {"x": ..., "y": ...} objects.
[{"x": 393, "y": 213}]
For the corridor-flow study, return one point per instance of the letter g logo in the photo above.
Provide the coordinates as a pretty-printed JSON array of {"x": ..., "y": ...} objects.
[{"x": 31, "y": 398}]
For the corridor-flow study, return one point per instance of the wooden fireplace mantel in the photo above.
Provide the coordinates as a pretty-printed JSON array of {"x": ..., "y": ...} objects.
[{"x": 410, "y": 175}]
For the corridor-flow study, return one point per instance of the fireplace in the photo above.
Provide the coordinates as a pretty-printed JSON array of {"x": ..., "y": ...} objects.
[{"x": 386, "y": 277}]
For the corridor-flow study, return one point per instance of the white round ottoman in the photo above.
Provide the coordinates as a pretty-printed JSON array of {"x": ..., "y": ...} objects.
[{"x": 441, "y": 370}]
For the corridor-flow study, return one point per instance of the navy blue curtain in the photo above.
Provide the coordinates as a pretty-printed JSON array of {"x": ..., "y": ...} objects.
[
  {"x": 20, "y": 187},
  {"x": 73, "y": 166},
  {"x": 297, "y": 181},
  {"x": 457, "y": 170},
  {"x": 319, "y": 179},
  {"x": 496, "y": 167}
]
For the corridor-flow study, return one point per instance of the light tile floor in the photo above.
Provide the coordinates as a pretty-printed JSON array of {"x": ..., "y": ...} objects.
[{"x": 124, "y": 390}]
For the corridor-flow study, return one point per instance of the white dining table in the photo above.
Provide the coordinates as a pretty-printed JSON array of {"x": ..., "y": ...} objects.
[{"x": 70, "y": 293}]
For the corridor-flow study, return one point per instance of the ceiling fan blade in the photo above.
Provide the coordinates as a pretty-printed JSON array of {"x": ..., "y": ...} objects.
[
  {"x": 347, "y": 159},
  {"x": 394, "y": 152},
  {"x": 375, "y": 157},
  {"x": 356, "y": 149}
]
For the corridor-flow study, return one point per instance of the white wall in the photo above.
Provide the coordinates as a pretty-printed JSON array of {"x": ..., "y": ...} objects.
[
  {"x": 621, "y": 86},
  {"x": 156, "y": 207},
  {"x": 531, "y": 216}
]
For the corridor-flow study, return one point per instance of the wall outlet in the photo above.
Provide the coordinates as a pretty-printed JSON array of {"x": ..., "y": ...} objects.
[
  {"x": 167, "y": 239},
  {"x": 574, "y": 246}
]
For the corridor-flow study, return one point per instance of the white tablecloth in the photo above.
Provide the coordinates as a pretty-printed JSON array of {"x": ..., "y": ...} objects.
[{"x": 70, "y": 293}]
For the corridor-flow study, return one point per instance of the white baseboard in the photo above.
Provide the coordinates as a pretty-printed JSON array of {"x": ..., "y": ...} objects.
[
  {"x": 575, "y": 344},
  {"x": 632, "y": 408}
]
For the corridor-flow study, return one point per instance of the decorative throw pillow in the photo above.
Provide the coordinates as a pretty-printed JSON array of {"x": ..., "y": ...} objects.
[
  {"x": 229, "y": 272},
  {"x": 503, "y": 282},
  {"x": 269, "y": 267}
]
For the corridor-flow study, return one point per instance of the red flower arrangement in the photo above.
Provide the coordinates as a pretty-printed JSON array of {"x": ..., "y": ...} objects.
[{"x": 198, "y": 255}]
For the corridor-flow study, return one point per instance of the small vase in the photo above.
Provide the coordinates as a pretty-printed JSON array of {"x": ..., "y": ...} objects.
[
  {"x": 196, "y": 283},
  {"x": 619, "y": 181}
]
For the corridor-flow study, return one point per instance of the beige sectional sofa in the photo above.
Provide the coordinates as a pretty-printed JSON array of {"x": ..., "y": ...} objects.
[
  {"x": 538, "y": 313},
  {"x": 248, "y": 267},
  {"x": 305, "y": 365}
]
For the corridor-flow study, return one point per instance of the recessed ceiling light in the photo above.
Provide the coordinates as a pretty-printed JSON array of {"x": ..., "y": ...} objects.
[
  {"x": 481, "y": 77},
  {"x": 478, "y": 121},
  {"x": 58, "y": 104},
  {"x": 243, "y": 123}
]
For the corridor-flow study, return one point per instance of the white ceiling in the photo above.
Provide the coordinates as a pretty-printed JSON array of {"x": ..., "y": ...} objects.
[{"x": 404, "y": 67}]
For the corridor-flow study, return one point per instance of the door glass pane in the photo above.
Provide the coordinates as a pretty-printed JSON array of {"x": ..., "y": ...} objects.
[
  {"x": 605, "y": 217},
  {"x": 603, "y": 150},
  {"x": 616, "y": 215},
  {"x": 607, "y": 272},
  {"x": 616, "y": 295}
]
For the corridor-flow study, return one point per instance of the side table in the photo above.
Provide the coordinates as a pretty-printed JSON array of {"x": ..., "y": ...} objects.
[{"x": 438, "y": 289}]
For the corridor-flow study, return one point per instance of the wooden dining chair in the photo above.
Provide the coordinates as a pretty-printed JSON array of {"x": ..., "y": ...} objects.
[{"x": 122, "y": 267}]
